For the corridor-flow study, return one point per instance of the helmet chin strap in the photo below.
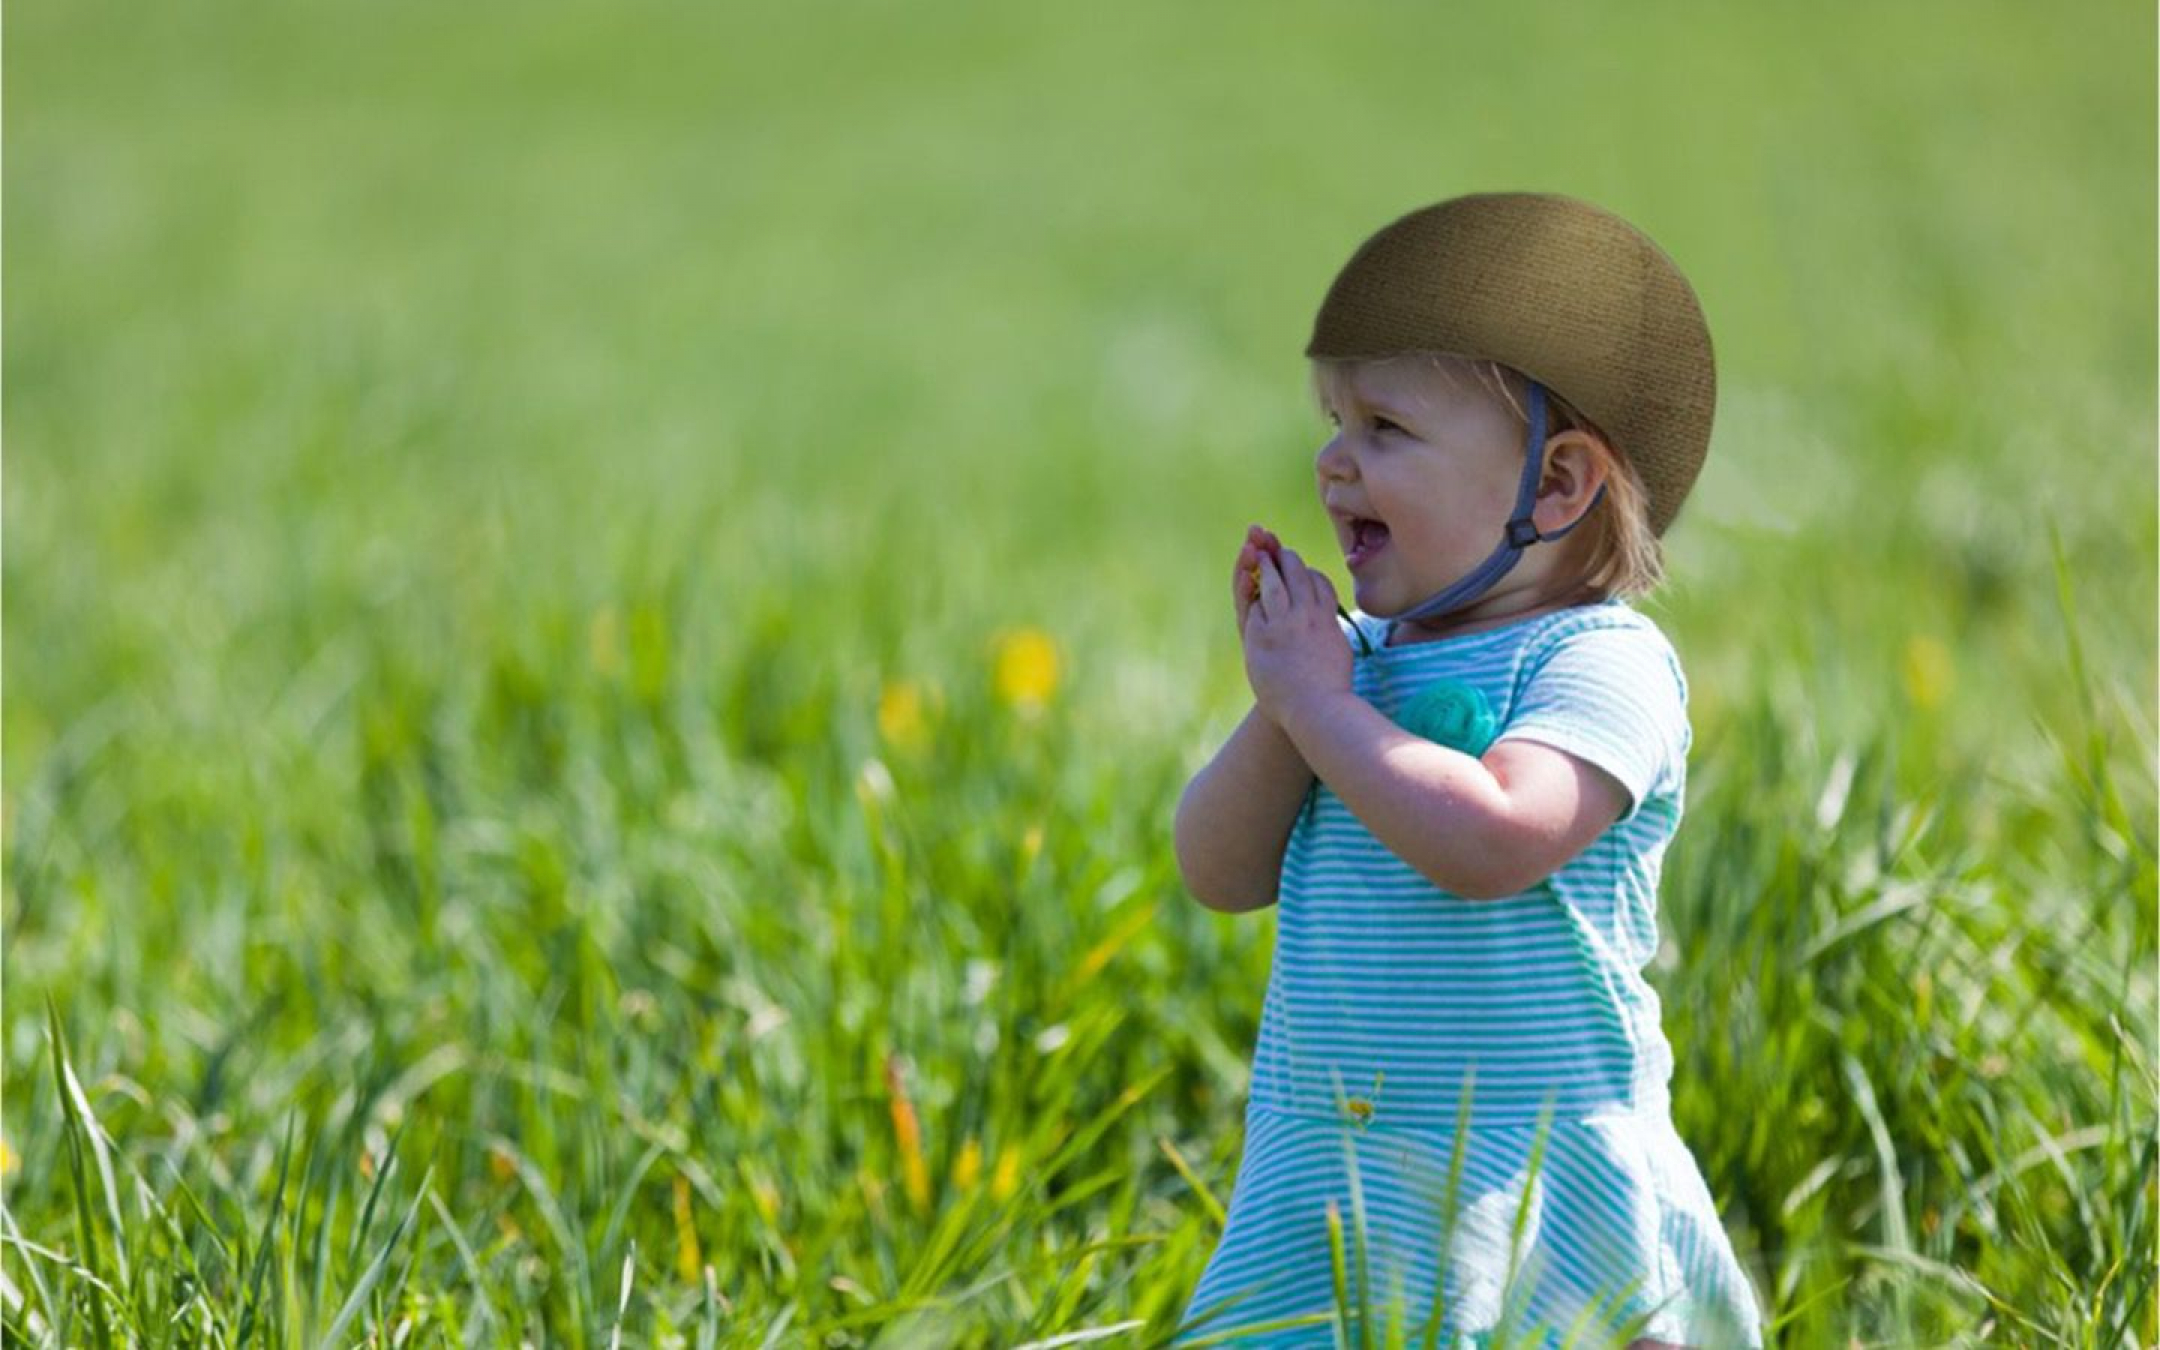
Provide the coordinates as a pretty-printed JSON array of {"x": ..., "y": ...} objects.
[{"x": 1521, "y": 532}]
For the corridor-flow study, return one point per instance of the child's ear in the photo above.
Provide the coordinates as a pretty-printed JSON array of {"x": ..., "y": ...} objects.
[{"x": 1575, "y": 467}]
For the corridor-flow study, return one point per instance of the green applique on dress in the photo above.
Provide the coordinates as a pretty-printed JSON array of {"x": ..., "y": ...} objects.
[{"x": 1454, "y": 715}]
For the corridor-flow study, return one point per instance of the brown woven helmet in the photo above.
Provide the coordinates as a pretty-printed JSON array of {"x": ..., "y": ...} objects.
[{"x": 1567, "y": 293}]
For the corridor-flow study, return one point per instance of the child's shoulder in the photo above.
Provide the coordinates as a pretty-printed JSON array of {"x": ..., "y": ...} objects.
[
  {"x": 1611, "y": 634},
  {"x": 1614, "y": 613}
]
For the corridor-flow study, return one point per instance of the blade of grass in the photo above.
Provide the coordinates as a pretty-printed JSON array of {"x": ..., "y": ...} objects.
[
  {"x": 622, "y": 1300},
  {"x": 1083, "y": 1336},
  {"x": 1509, "y": 1301},
  {"x": 1358, "y": 1240},
  {"x": 1240, "y": 1333},
  {"x": 1450, "y": 1206},
  {"x": 1213, "y": 1206},
  {"x": 367, "y": 1210},
  {"x": 483, "y": 1306},
  {"x": 1336, "y": 1264},
  {"x": 71, "y": 1109},
  {"x": 355, "y": 1301},
  {"x": 9, "y": 1232},
  {"x": 251, "y": 1303}
]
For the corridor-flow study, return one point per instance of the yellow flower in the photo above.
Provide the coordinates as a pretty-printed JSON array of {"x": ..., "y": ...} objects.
[
  {"x": 8, "y": 1161},
  {"x": 967, "y": 1168},
  {"x": 907, "y": 1130},
  {"x": 900, "y": 714},
  {"x": 1008, "y": 1173},
  {"x": 764, "y": 1195},
  {"x": 1025, "y": 667},
  {"x": 687, "y": 1256},
  {"x": 1928, "y": 671}
]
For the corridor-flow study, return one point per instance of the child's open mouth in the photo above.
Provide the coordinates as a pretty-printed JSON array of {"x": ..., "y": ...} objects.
[{"x": 1367, "y": 538}]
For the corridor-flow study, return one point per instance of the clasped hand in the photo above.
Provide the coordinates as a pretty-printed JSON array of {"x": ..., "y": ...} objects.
[{"x": 1294, "y": 648}]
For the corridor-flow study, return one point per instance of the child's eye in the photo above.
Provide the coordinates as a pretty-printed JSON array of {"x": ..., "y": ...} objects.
[{"x": 1383, "y": 424}]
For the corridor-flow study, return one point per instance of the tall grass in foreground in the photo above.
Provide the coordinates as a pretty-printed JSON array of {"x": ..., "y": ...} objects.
[{"x": 588, "y": 1004}]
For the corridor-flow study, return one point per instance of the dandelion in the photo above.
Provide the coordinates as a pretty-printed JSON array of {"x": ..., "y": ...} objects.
[
  {"x": 9, "y": 1163},
  {"x": 1024, "y": 665},
  {"x": 901, "y": 715},
  {"x": 1007, "y": 1176},
  {"x": 1928, "y": 671},
  {"x": 967, "y": 1168}
]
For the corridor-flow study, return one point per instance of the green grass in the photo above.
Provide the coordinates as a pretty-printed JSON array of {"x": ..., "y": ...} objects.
[{"x": 473, "y": 473}]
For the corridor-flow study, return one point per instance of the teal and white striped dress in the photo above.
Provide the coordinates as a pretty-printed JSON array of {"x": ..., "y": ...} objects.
[{"x": 1389, "y": 996}]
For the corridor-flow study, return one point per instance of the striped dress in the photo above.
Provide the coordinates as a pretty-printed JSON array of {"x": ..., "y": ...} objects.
[{"x": 1480, "y": 1087}]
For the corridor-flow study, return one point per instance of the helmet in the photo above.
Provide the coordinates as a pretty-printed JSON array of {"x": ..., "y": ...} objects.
[{"x": 1569, "y": 294}]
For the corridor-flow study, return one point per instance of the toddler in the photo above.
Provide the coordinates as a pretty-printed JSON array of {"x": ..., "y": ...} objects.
[{"x": 1461, "y": 794}]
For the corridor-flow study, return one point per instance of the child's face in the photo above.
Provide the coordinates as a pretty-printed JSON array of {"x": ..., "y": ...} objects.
[{"x": 1432, "y": 459}]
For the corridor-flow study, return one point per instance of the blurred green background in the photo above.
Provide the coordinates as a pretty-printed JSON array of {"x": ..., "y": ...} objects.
[{"x": 513, "y": 519}]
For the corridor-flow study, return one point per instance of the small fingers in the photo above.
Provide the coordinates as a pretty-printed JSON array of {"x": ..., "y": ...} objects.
[
  {"x": 1323, "y": 590},
  {"x": 1294, "y": 573},
  {"x": 1274, "y": 594}
]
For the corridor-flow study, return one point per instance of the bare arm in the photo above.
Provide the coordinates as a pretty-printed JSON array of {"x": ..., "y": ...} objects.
[
  {"x": 1483, "y": 828},
  {"x": 1434, "y": 807},
  {"x": 1234, "y": 820},
  {"x": 1235, "y": 817}
]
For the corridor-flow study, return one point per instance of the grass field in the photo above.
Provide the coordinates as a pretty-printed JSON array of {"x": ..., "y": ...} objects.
[{"x": 606, "y": 609}]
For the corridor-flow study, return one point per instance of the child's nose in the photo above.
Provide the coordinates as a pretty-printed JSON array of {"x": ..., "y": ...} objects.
[{"x": 1333, "y": 461}]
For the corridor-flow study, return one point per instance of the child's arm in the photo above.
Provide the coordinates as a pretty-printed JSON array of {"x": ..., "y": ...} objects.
[
  {"x": 1234, "y": 820},
  {"x": 1483, "y": 829}
]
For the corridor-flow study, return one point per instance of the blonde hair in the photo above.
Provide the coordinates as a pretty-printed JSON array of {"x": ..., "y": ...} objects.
[{"x": 1614, "y": 551}]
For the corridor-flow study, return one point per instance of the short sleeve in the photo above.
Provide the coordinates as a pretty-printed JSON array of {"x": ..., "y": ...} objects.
[{"x": 1612, "y": 695}]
